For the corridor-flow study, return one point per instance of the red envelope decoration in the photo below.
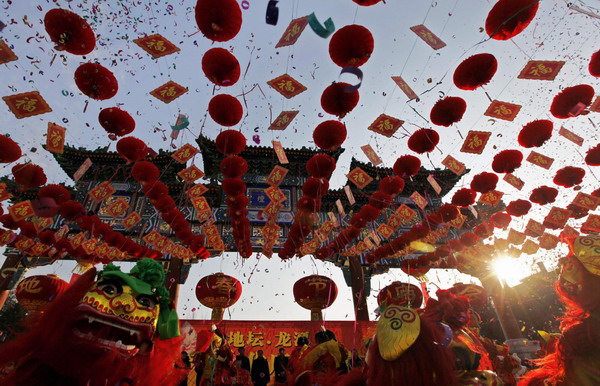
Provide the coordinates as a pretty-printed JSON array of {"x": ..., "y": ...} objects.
[
  {"x": 292, "y": 32},
  {"x": 359, "y": 177},
  {"x": 541, "y": 69},
  {"x": 404, "y": 87},
  {"x": 386, "y": 125},
  {"x": 168, "y": 92},
  {"x": 21, "y": 210},
  {"x": 540, "y": 160},
  {"x": 570, "y": 136},
  {"x": 475, "y": 142},
  {"x": 6, "y": 54},
  {"x": 191, "y": 174},
  {"x": 156, "y": 45},
  {"x": 514, "y": 181},
  {"x": 287, "y": 86},
  {"x": 27, "y": 104},
  {"x": 283, "y": 120},
  {"x": 277, "y": 175},
  {"x": 55, "y": 138},
  {"x": 184, "y": 153},
  {"x": 428, "y": 37}
]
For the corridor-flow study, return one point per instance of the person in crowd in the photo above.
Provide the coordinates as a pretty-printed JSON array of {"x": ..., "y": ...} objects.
[
  {"x": 245, "y": 362},
  {"x": 280, "y": 367},
  {"x": 302, "y": 345},
  {"x": 239, "y": 375},
  {"x": 260, "y": 370}
]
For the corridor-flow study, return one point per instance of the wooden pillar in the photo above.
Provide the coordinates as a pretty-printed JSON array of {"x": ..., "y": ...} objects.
[
  {"x": 173, "y": 278},
  {"x": 508, "y": 322},
  {"x": 7, "y": 272},
  {"x": 359, "y": 297}
]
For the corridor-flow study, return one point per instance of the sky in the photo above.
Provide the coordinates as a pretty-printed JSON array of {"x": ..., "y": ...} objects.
[{"x": 557, "y": 33}]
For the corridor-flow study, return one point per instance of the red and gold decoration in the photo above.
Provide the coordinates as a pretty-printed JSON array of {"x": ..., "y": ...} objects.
[
  {"x": 6, "y": 54},
  {"x": 218, "y": 291},
  {"x": 156, "y": 45},
  {"x": 400, "y": 294},
  {"x": 315, "y": 293},
  {"x": 292, "y": 32},
  {"x": 168, "y": 92},
  {"x": 502, "y": 110},
  {"x": 283, "y": 120},
  {"x": 27, "y": 104},
  {"x": 428, "y": 37},
  {"x": 286, "y": 86},
  {"x": 36, "y": 292},
  {"x": 541, "y": 69}
]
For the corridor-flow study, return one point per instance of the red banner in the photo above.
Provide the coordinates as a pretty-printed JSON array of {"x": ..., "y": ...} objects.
[{"x": 270, "y": 336}]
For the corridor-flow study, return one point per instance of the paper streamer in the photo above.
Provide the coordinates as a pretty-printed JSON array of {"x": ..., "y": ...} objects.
[
  {"x": 272, "y": 15},
  {"x": 354, "y": 71},
  {"x": 324, "y": 30}
]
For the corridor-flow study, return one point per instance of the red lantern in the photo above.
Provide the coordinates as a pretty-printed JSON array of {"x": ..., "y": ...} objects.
[
  {"x": 329, "y": 135},
  {"x": 221, "y": 67},
  {"x": 132, "y": 149},
  {"x": 543, "y": 195},
  {"x": 447, "y": 111},
  {"x": 36, "y": 292},
  {"x": 366, "y": 3},
  {"x": 401, "y": 294},
  {"x": 58, "y": 193},
  {"x": 155, "y": 190},
  {"x": 320, "y": 166},
  {"x": 218, "y": 291},
  {"x": 116, "y": 121},
  {"x": 592, "y": 157},
  {"x": 10, "y": 150},
  {"x": 233, "y": 166},
  {"x": 536, "y": 133},
  {"x": 423, "y": 141},
  {"x": 571, "y": 101},
  {"x": 145, "y": 172},
  {"x": 448, "y": 212},
  {"x": 315, "y": 293},
  {"x": 230, "y": 142},
  {"x": 507, "y": 161},
  {"x": 569, "y": 176},
  {"x": 391, "y": 185},
  {"x": 475, "y": 71},
  {"x": 407, "y": 166},
  {"x": 337, "y": 100},
  {"x": 518, "y": 208},
  {"x": 69, "y": 31},
  {"x": 508, "y": 18},
  {"x": 351, "y": 45},
  {"x": 29, "y": 175},
  {"x": 315, "y": 187},
  {"x": 484, "y": 182},
  {"x": 464, "y": 197},
  {"x": 594, "y": 66},
  {"x": 500, "y": 220},
  {"x": 96, "y": 81},
  {"x": 225, "y": 109},
  {"x": 218, "y": 20},
  {"x": 411, "y": 267}
]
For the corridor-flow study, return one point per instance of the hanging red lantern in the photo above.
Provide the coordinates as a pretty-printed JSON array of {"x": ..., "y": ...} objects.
[
  {"x": 518, "y": 208},
  {"x": 11, "y": 151},
  {"x": 219, "y": 20},
  {"x": 483, "y": 230},
  {"x": 592, "y": 157},
  {"x": 230, "y": 142},
  {"x": 116, "y": 121},
  {"x": 366, "y": 3},
  {"x": 475, "y": 71},
  {"x": 225, "y": 109},
  {"x": 145, "y": 172},
  {"x": 464, "y": 197},
  {"x": 233, "y": 166},
  {"x": 329, "y": 135},
  {"x": 448, "y": 212},
  {"x": 447, "y": 111},
  {"x": 407, "y": 166},
  {"x": 412, "y": 267},
  {"x": 315, "y": 187},
  {"x": 569, "y": 176},
  {"x": 71, "y": 210},
  {"x": 500, "y": 220},
  {"x": 468, "y": 239},
  {"x": 218, "y": 291},
  {"x": 320, "y": 166},
  {"x": 391, "y": 185},
  {"x": 337, "y": 100},
  {"x": 132, "y": 149},
  {"x": 29, "y": 175},
  {"x": 34, "y": 293},
  {"x": 221, "y": 67},
  {"x": 543, "y": 195},
  {"x": 233, "y": 186},
  {"x": 423, "y": 141},
  {"x": 484, "y": 182},
  {"x": 536, "y": 133},
  {"x": 315, "y": 293},
  {"x": 508, "y": 18},
  {"x": 401, "y": 294},
  {"x": 507, "y": 161},
  {"x": 96, "y": 81},
  {"x": 58, "y": 193},
  {"x": 69, "y": 31},
  {"x": 155, "y": 190},
  {"x": 351, "y": 45},
  {"x": 571, "y": 101},
  {"x": 594, "y": 66}
]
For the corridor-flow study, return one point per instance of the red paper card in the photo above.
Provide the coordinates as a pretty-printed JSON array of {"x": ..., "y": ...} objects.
[
  {"x": 595, "y": 107},
  {"x": 24, "y": 244},
  {"x": 201, "y": 204},
  {"x": 38, "y": 249},
  {"x": 55, "y": 138},
  {"x": 156, "y": 45},
  {"x": 404, "y": 87},
  {"x": 27, "y": 104},
  {"x": 419, "y": 200},
  {"x": 6, "y": 54},
  {"x": 586, "y": 201},
  {"x": 502, "y": 110},
  {"x": 275, "y": 194},
  {"x": 340, "y": 208},
  {"x": 283, "y": 120},
  {"x": 491, "y": 198},
  {"x": 6, "y": 237},
  {"x": 4, "y": 193},
  {"x": 101, "y": 192},
  {"x": 548, "y": 241},
  {"x": 191, "y": 174},
  {"x": 280, "y": 152},
  {"x": 131, "y": 220},
  {"x": 541, "y": 69},
  {"x": 516, "y": 237},
  {"x": 359, "y": 177},
  {"x": 41, "y": 223},
  {"x": 371, "y": 155},
  {"x": 287, "y": 86},
  {"x": 406, "y": 213},
  {"x": 184, "y": 153},
  {"x": 77, "y": 239},
  {"x": 82, "y": 169},
  {"x": 386, "y": 125},
  {"x": 530, "y": 247},
  {"x": 591, "y": 224},
  {"x": 277, "y": 175},
  {"x": 428, "y": 37},
  {"x": 385, "y": 231},
  {"x": 475, "y": 142},
  {"x": 349, "y": 195},
  {"x": 540, "y": 160},
  {"x": 534, "y": 228},
  {"x": 196, "y": 191},
  {"x": 394, "y": 221},
  {"x": 568, "y": 232},
  {"x": 272, "y": 209},
  {"x": 514, "y": 181},
  {"x": 168, "y": 92},
  {"x": 117, "y": 208},
  {"x": 558, "y": 217},
  {"x": 570, "y": 136},
  {"x": 434, "y": 184},
  {"x": 21, "y": 210},
  {"x": 292, "y": 32},
  {"x": 454, "y": 165}
]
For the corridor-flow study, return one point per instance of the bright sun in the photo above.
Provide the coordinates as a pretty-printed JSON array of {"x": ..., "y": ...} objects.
[{"x": 510, "y": 270}]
